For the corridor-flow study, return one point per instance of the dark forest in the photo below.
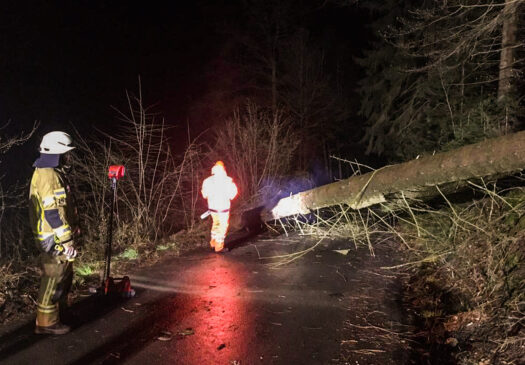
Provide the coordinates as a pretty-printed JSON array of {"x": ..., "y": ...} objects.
[{"x": 292, "y": 95}]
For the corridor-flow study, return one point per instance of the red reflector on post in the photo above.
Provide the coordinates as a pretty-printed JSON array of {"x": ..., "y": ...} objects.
[{"x": 116, "y": 171}]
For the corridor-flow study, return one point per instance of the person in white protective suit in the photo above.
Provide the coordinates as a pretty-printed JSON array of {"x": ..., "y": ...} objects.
[{"x": 219, "y": 189}]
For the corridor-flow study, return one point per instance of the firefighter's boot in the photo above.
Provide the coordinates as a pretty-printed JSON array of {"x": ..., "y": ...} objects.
[
  {"x": 213, "y": 243},
  {"x": 219, "y": 246}
]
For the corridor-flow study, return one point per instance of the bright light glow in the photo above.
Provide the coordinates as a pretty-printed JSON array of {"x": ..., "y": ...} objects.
[
  {"x": 295, "y": 297},
  {"x": 289, "y": 206}
]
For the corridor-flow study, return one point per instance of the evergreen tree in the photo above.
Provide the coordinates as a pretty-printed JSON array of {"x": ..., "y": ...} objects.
[{"x": 433, "y": 82}]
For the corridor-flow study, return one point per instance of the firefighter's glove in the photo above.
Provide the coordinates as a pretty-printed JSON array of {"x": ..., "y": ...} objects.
[
  {"x": 66, "y": 252},
  {"x": 70, "y": 253}
]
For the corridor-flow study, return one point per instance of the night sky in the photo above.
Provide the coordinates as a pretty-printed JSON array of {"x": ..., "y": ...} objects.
[
  {"x": 70, "y": 62},
  {"x": 67, "y": 62}
]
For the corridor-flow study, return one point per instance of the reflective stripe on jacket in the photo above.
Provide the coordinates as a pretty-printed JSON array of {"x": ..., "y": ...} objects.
[{"x": 47, "y": 208}]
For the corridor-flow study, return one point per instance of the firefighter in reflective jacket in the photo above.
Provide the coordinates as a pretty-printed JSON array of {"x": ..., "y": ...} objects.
[
  {"x": 219, "y": 189},
  {"x": 51, "y": 216}
]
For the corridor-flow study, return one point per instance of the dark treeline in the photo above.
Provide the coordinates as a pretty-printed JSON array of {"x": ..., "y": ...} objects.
[
  {"x": 442, "y": 74},
  {"x": 420, "y": 75}
]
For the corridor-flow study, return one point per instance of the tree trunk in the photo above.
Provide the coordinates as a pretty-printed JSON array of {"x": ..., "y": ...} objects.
[
  {"x": 500, "y": 156},
  {"x": 275, "y": 47},
  {"x": 274, "y": 86},
  {"x": 508, "y": 42}
]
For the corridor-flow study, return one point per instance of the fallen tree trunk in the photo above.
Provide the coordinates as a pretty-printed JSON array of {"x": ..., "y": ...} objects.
[{"x": 495, "y": 157}]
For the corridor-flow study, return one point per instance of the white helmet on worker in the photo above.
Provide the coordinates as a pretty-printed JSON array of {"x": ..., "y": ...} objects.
[
  {"x": 218, "y": 168},
  {"x": 56, "y": 143}
]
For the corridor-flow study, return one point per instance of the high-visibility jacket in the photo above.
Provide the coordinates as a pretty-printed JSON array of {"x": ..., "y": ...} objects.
[
  {"x": 49, "y": 213},
  {"x": 219, "y": 189}
]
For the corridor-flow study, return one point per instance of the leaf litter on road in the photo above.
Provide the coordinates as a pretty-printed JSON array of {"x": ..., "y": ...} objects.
[
  {"x": 187, "y": 332},
  {"x": 165, "y": 336}
]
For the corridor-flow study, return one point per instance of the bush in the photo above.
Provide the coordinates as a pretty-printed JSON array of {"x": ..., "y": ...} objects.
[
  {"x": 258, "y": 147},
  {"x": 151, "y": 203},
  {"x": 14, "y": 232}
]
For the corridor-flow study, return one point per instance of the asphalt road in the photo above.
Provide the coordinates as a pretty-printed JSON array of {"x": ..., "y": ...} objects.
[{"x": 235, "y": 308}]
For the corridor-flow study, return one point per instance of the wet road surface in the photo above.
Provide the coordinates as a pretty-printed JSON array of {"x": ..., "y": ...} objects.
[{"x": 204, "y": 308}]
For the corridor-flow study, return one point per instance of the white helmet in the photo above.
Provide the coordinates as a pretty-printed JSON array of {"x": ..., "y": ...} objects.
[{"x": 56, "y": 143}]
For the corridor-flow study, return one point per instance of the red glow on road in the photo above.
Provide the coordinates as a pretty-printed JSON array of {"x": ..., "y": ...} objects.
[{"x": 219, "y": 317}]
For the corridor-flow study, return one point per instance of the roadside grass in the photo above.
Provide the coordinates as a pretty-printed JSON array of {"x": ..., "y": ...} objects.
[
  {"x": 17, "y": 288},
  {"x": 465, "y": 261},
  {"x": 473, "y": 292},
  {"x": 128, "y": 254}
]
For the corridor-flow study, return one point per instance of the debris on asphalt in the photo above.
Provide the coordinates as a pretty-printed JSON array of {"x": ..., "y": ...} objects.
[
  {"x": 187, "y": 332},
  {"x": 165, "y": 336},
  {"x": 116, "y": 355},
  {"x": 342, "y": 252}
]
